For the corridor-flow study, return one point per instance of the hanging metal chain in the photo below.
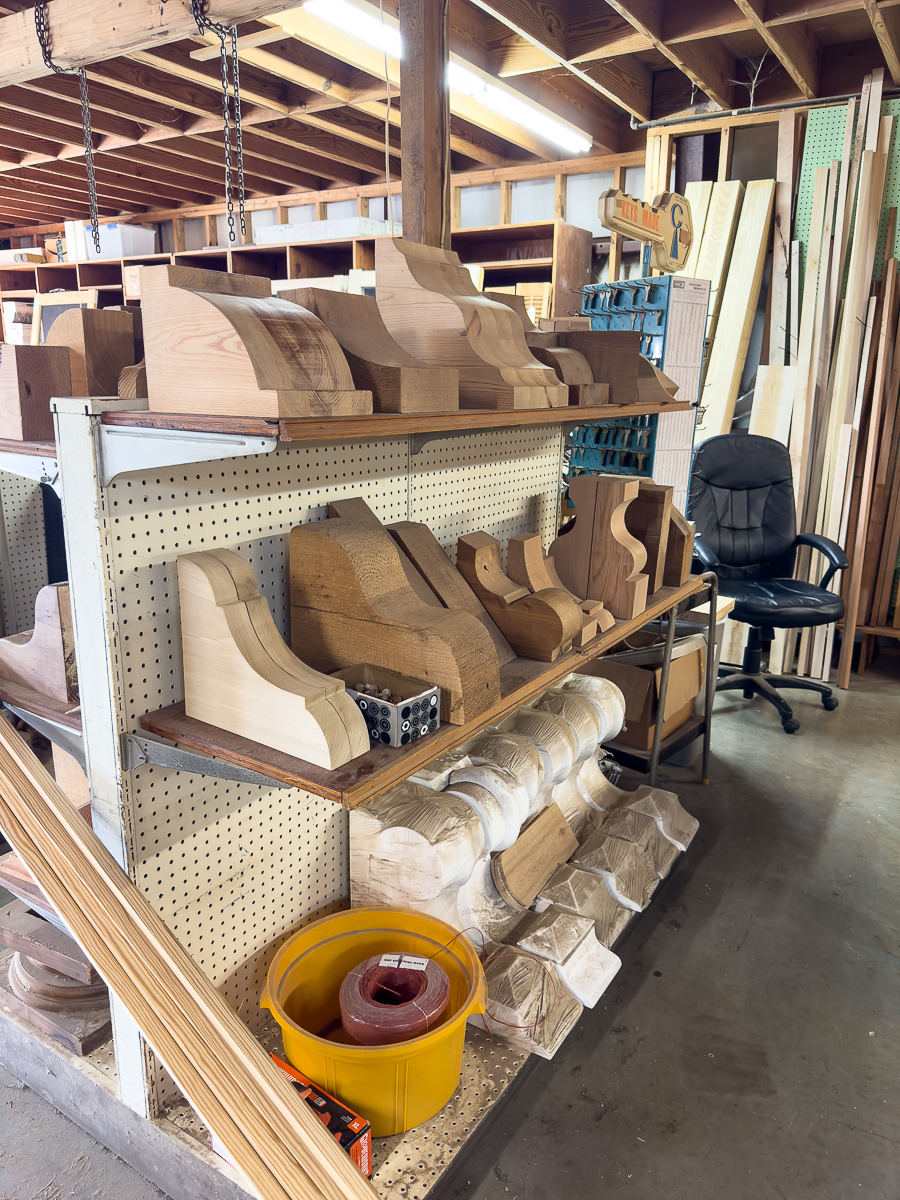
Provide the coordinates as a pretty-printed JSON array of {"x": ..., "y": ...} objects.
[
  {"x": 42, "y": 29},
  {"x": 222, "y": 32}
]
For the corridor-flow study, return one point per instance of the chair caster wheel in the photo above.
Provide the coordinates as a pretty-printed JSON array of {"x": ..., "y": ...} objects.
[
  {"x": 790, "y": 726},
  {"x": 829, "y": 702}
]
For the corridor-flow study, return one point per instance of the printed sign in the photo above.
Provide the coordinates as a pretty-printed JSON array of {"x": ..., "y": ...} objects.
[{"x": 665, "y": 224}]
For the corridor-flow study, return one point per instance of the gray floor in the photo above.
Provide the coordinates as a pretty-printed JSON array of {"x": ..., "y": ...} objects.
[{"x": 747, "y": 1050}]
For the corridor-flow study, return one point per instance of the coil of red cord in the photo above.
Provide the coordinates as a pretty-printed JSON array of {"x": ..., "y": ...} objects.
[{"x": 391, "y": 998}]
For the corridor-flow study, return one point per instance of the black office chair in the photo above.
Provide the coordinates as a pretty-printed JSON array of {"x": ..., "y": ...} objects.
[{"x": 742, "y": 501}]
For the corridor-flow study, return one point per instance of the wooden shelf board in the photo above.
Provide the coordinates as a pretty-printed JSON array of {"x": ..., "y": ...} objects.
[
  {"x": 321, "y": 429},
  {"x": 503, "y": 264},
  {"x": 35, "y": 449},
  {"x": 26, "y": 295},
  {"x": 368, "y": 776},
  {"x": 22, "y": 696}
]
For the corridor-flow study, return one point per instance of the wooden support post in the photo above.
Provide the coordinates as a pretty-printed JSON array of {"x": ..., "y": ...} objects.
[
  {"x": 559, "y": 197},
  {"x": 615, "y": 239},
  {"x": 505, "y": 201},
  {"x": 726, "y": 147},
  {"x": 321, "y": 210},
  {"x": 425, "y": 115},
  {"x": 212, "y": 230},
  {"x": 362, "y": 206},
  {"x": 178, "y": 234},
  {"x": 282, "y": 218},
  {"x": 456, "y": 213}
]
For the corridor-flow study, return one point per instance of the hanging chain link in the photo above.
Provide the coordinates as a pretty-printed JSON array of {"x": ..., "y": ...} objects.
[
  {"x": 42, "y": 29},
  {"x": 222, "y": 32}
]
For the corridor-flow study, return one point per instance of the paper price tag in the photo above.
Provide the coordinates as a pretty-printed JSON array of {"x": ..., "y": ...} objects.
[
  {"x": 411, "y": 963},
  {"x": 390, "y": 960}
]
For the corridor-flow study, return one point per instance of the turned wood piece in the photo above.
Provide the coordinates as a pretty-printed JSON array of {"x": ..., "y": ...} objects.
[
  {"x": 527, "y": 564},
  {"x": 398, "y": 382},
  {"x": 222, "y": 344},
  {"x": 351, "y": 602},
  {"x": 679, "y": 550},
  {"x": 133, "y": 382},
  {"x": 44, "y": 657},
  {"x": 648, "y": 519},
  {"x": 541, "y": 625},
  {"x": 100, "y": 342},
  {"x": 355, "y": 508},
  {"x": 29, "y": 377},
  {"x": 433, "y": 310},
  {"x": 596, "y": 556},
  {"x": 240, "y": 675}
]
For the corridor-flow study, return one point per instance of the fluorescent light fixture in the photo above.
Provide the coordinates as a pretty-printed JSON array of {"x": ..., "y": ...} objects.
[
  {"x": 505, "y": 104},
  {"x": 359, "y": 24}
]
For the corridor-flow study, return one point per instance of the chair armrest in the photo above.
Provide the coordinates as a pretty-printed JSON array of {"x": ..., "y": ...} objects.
[
  {"x": 703, "y": 552},
  {"x": 832, "y": 551}
]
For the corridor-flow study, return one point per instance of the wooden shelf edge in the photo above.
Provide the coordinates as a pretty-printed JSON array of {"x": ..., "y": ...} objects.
[
  {"x": 21, "y": 696},
  {"x": 371, "y": 774},
  {"x": 34, "y": 449},
  {"x": 320, "y": 429}
]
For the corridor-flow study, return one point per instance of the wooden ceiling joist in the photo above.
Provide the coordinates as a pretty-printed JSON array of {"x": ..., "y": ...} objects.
[
  {"x": 796, "y": 47},
  {"x": 885, "y": 21}
]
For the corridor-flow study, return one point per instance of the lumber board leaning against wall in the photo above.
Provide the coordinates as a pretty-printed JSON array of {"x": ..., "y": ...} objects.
[{"x": 737, "y": 310}]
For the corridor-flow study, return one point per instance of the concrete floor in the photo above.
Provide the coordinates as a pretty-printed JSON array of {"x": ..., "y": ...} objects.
[{"x": 748, "y": 1048}]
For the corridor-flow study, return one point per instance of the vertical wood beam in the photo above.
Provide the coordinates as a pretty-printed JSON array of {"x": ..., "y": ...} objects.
[
  {"x": 456, "y": 212},
  {"x": 726, "y": 148},
  {"x": 559, "y": 197},
  {"x": 615, "y": 239},
  {"x": 425, "y": 121},
  {"x": 321, "y": 210},
  {"x": 178, "y": 234},
  {"x": 505, "y": 201},
  {"x": 281, "y": 214},
  {"x": 212, "y": 230}
]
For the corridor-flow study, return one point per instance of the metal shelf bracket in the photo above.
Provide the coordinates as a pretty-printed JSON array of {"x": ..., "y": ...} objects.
[
  {"x": 122, "y": 449},
  {"x": 138, "y": 750}
]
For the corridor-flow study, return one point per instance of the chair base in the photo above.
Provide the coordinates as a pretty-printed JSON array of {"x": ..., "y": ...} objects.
[{"x": 753, "y": 681}]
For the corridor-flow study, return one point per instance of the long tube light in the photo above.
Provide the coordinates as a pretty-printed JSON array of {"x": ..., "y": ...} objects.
[{"x": 354, "y": 20}]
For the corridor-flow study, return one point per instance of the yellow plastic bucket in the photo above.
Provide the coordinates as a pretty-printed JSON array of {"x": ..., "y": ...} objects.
[{"x": 394, "y": 1087}]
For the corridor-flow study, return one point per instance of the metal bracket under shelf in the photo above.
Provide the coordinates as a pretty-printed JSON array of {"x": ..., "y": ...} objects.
[
  {"x": 64, "y": 736},
  {"x": 29, "y": 466},
  {"x": 418, "y": 441},
  {"x": 124, "y": 448},
  {"x": 138, "y": 750}
]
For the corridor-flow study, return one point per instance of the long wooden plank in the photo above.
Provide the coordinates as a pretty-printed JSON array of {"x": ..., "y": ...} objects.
[
  {"x": 785, "y": 172},
  {"x": 854, "y": 582},
  {"x": 84, "y": 32},
  {"x": 773, "y": 399},
  {"x": 276, "y": 1140},
  {"x": 738, "y": 309},
  {"x": 718, "y": 244},
  {"x": 699, "y": 194}
]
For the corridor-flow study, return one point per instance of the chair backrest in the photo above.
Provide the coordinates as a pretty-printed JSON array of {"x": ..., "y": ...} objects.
[{"x": 742, "y": 500}]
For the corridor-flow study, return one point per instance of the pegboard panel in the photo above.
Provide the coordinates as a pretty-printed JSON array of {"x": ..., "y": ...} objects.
[
  {"x": 891, "y": 190},
  {"x": 504, "y": 481},
  {"x": 229, "y": 866},
  {"x": 25, "y": 563},
  {"x": 823, "y": 143}
]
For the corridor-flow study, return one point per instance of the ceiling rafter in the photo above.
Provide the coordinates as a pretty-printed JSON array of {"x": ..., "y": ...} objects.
[{"x": 796, "y": 47}]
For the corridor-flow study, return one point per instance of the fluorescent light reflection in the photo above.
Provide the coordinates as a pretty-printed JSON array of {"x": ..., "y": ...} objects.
[
  {"x": 506, "y": 105},
  {"x": 353, "y": 20}
]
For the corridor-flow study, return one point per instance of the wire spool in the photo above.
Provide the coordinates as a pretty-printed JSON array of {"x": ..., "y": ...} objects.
[{"x": 382, "y": 1004}]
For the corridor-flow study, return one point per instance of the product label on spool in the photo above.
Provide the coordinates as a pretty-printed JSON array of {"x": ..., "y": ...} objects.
[{"x": 406, "y": 962}]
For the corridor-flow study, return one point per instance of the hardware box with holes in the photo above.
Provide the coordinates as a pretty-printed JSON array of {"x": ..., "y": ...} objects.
[{"x": 413, "y": 713}]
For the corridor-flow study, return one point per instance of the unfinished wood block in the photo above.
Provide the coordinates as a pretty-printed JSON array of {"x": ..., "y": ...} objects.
[
  {"x": 585, "y": 966},
  {"x": 606, "y": 698},
  {"x": 574, "y": 370},
  {"x": 433, "y": 310},
  {"x": 627, "y": 868},
  {"x": 579, "y": 891},
  {"x": 100, "y": 343},
  {"x": 543, "y": 845},
  {"x": 579, "y": 714},
  {"x": 527, "y": 564},
  {"x": 597, "y": 556},
  {"x": 553, "y": 735},
  {"x": 29, "y": 377},
  {"x": 398, "y": 382},
  {"x": 679, "y": 550},
  {"x": 133, "y": 382},
  {"x": 506, "y": 786},
  {"x": 43, "y": 658},
  {"x": 517, "y": 304},
  {"x": 541, "y": 626},
  {"x": 428, "y": 556},
  {"x": 517, "y": 754},
  {"x": 354, "y": 508},
  {"x": 666, "y": 810},
  {"x": 351, "y": 602},
  {"x": 528, "y": 1004},
  {"x": 648, "y": 519},
  {"x": 615, "y": 358},
  {"x": 222, "y": 344},
  {"x": 240, "y": 675}
]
